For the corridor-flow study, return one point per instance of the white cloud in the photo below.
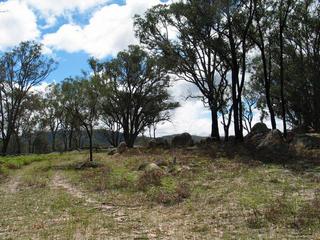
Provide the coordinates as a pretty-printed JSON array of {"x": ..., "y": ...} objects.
[
  {"x": 50, "y": 10},
  {"x": 109, "y": 30},
  {"x": 17, "y": 23},
  {"x": 191, "y": 117}
]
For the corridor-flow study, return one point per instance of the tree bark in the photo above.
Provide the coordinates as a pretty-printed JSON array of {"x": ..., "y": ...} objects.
[
  {"x": 53, "y": 146},
  {"x": 214, "y": 124}
]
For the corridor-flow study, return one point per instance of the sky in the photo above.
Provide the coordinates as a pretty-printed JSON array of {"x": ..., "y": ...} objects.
[{"x": 71, "y": 31}]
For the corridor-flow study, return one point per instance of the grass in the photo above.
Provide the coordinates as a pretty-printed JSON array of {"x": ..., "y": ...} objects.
[{"x": 202, "y": 197}]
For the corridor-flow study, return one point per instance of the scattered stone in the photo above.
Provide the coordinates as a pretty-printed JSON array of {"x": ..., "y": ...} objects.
[
  {"x": 122, "y": 147},
  {"x": 162, "y": 163},
  {"x": 87, "y": 164},
  {"x": 112, "y": 152},
  {"x": 182, "y": 140},
  {"x": 152, "y": 167},
  {"x": 143, "y": 166}
]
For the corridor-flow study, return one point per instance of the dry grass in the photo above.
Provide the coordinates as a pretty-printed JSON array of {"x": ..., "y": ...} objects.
[{"x": 224, "y": 197}]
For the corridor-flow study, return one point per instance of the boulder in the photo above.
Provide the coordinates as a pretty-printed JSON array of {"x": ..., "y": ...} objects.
[
  {"x": 273, "y": 142},
  {"x": 258, "y": 133},
  {"x": 259, "y": 128},
  {"x": 307, "y": 141},
  {"x": 182, "y": 140},
  {"x": 122, "y": 147},
  {"x": 158, "y": 143}
]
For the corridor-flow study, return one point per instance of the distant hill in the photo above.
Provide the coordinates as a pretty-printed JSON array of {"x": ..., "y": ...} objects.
[{"x": 194, "y": 137}]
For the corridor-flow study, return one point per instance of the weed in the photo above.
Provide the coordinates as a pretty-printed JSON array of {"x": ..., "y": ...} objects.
[
  {"x": 150, "y": 178},
  {"x": 309, "y": 214}
]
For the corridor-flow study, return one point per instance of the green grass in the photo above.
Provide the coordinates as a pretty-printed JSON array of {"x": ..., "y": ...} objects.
[{"x": 200, "y": 198}]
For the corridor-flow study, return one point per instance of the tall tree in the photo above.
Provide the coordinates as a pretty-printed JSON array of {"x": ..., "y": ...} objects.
[
  {"x": 283, "y": 10},
  {"x": 191, "y": 52},
  {"x": 20, "y": 69},
  {"x": 85, "y": 108},
  {"x": 51, "y": 112},
  {"x": 137, "y": 92},
  {"x": 261, "y": 36}
]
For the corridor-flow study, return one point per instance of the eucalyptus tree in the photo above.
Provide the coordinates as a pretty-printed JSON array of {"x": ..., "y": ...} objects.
[
  {"x": 52, "y": 111},
  {"x": 80, "y": 97},
  {"x": 185, "y": 35},
  {"x": 134, "y": 89},
  {"x": 262, "y": 35},
  {"x": 211, "y": 39},
  {"x": 302, "y": 62},
  {"x": 29, "y": 122},
  {"x": 21, "y": 69}
]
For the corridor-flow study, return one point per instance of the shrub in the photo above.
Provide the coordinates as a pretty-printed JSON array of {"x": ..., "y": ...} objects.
[
  {"x": 169, "y": 196},
  {"x": 149, "y": 178}
]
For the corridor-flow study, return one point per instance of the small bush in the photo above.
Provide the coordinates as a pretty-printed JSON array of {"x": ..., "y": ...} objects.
[
  {"x": 168, "y": 196},
  {"x": 256, "y": 220},
  {"x": 149, "y": 178}
]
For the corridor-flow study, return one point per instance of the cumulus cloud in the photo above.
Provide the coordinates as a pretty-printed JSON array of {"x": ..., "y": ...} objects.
[
  {"x": 17, "y": 23},
  {"x": 50, "y": 10},
  {"x": 109, "y": 30}
]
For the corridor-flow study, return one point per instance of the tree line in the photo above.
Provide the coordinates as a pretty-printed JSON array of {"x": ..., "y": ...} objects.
[{"x": 241, "y": 55}]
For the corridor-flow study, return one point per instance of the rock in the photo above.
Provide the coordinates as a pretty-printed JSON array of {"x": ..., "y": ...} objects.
[
  {"x": 182, "y": 140},
  {"x": 87, "y": 164},
  {"x": 152, "y": 167},
  {"x": 112, "y": 152},
  {"x": 259, "y": 128},
  {"x": 158, "y": 143},
  {"x": 307, "y": 141},
  {"x": 273, "y": 142},
  {"x": 162, "y": 163},
  {"x": 122, "y": 147},
  {"x": 143, "y": 166},
  {"x": 258, "y": 133}
]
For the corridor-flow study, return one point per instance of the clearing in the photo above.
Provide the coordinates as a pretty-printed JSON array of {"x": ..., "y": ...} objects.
[{"x": 202, "y": 196}]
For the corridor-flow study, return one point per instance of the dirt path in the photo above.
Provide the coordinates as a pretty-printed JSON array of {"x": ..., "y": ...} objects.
[{"x": 59, "y": 182}]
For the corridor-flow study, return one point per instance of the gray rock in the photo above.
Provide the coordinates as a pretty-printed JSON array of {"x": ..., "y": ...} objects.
[
  {"x": 258, "y": 133},
  {"x": 307, "y": 141},
  {"x": 152, "y": 167},
  {"x": 273, "y": 142},
  {"x": 162, "y": 163},
  {"x": 158, "y": 143},
  {"x": 182, "y": 140},
  {"x": 122, "y": 147},
  {"x": 112, "y": 152}
]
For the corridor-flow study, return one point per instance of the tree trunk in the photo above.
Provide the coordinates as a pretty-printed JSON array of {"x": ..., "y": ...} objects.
[
  {"x": 70, "y": 139},
  {"x": 235, "y": 80},
  {"x": 226, "y": 134},
  {"x": 29, "y": 144},
  {"x": 90, "y": 140},
  {"x": 18, "y": 144},
  {"x": 53, "y": 146},
  {"x": 267, "y": 83},
  {"x": 5, "y": 144},
  {"x": 283, "y": 107},
  {"x": 214, "y": 124}
]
